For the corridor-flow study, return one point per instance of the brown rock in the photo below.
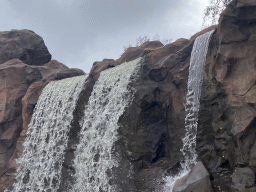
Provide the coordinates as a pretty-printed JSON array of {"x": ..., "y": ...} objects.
[
  {"x": 162, "y": 53},
  {"x": 15, "y": 79},
  {"x": 51, "y": 67},
  {"x": 5, "y": 180},
  {"x": 148, "y": 127},
  {"x": 202, "y": 32},
  {"x": 34, "y": 91},
  {"x": 134, "y": 52},
  {"x": 100, "y": 66},
  {"x": 130, "y": 54},
  {"x": 24, "y": 45},
  {"x": 155, "y": 48}
]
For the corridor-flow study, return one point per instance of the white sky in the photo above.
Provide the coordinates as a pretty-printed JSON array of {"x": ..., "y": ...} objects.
[{"x": 79, "y": 32}]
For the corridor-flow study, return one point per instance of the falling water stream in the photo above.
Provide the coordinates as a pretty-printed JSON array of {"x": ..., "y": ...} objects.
[
  {"x": 192, "y": 105},
  {"x": 40, "y": 166},
  {"x": 93, "y": 158}
]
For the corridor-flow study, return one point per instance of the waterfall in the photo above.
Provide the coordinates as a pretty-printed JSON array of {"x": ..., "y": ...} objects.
[
  {"x": 195, "y": 79},
  {"x": 93, "y": 158},
  {"x": 39, "y": 169}
]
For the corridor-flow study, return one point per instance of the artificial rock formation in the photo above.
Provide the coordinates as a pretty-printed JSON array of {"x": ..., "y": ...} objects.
[
  {"x": 151, "y": 129},
  {"x": 226, "y": 131}
]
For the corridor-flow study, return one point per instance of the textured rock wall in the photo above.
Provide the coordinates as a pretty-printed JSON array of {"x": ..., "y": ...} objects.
[{"x": 226, "y": 132}]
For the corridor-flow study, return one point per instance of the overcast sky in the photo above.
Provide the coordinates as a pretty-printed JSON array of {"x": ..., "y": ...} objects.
[{"x": 79, "y": 32}]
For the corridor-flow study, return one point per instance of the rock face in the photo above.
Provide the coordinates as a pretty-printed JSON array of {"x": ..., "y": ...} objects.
[
  {"x": 24, "y": 45},
  {"x": 148, "y": 126},
  {"x": 16, "y": 77},
  {"x": 226, "y": 131}
]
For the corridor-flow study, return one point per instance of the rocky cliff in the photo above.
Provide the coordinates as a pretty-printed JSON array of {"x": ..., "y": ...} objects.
[{"x": 152, "y": 127}]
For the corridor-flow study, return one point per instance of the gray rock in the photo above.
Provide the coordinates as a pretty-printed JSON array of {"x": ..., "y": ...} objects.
[
  {"x": 243, "y": 178},
  {"x": 197, "y": 180}
]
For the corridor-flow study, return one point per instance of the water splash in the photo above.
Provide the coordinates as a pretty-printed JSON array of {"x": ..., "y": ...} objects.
[
  {"x": 192, "y": 105},
  {"x": 93, "y": 158},
  {"x": 40, "y": 166}
]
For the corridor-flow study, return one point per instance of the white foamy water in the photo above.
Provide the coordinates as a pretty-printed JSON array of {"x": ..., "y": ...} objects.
[
  {"x": 93, "y": 157},
  {"x": 40, "y": 166},
  {"x": 192, "y": 105}
]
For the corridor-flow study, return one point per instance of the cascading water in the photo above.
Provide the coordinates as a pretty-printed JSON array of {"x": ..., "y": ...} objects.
[
  {"x": 93, "y": 158},
  {"x": 40, "y": 166},
  {"x": 192, "y": 105}
]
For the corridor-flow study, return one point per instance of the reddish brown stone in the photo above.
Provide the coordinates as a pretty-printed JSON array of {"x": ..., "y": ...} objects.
[
  {"x": 15, "y": 79},
  {"x": 100, "y": 66},
  {"x": 156, "y": 48},
  {"x": 134, "y": 52},
  {"x": 21, "y": 85}
]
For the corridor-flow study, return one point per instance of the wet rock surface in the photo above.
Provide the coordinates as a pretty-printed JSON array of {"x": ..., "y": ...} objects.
[
  {"x": 152, "y": 127},
  {"x": 197, "y": 180},
  {"x": 226, "y": 136}
]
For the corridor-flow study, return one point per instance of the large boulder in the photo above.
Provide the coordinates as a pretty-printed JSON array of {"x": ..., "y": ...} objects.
[
  {"x": 24, "y": 45},
  {"x": 134, "y": 52},
  {"x": 99, "y": 66}
]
